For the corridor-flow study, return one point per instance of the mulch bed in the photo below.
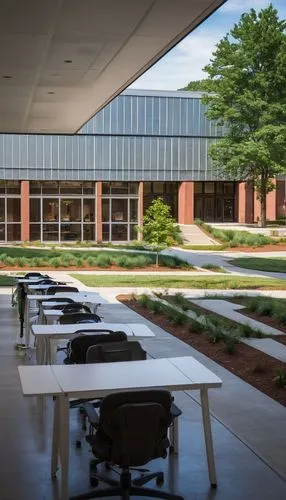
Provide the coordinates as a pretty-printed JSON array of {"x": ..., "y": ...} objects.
[
  {"x": 279, "y": 247},
  {"x": 253, "y": 366}
]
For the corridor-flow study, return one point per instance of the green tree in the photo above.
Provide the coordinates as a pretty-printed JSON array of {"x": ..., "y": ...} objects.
[
  {"x": 249, "y": 70},
  {"x": 201, "y": 85},
  {"x": 158, "y": 226}
]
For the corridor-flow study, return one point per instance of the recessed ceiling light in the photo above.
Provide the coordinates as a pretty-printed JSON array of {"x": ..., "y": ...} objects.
[
  {"x": 50, "y": 93},
  {"x": 7, "y": 77},
  {"x": 67, "y": 61}
]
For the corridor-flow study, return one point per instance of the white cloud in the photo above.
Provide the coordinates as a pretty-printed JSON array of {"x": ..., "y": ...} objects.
[
  {"x": 235, "y": 6},
  {"x": 182, "y": 64}
]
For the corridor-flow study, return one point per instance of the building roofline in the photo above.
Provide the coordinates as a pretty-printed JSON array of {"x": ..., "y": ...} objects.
[{"x": 182, "y": 94}]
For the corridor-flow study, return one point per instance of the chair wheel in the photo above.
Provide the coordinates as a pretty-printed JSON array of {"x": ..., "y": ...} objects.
[
  {"x": 160, "y": 479},
  {"x": 93, "y": 481},
  {"x": 78, "y": 444}
]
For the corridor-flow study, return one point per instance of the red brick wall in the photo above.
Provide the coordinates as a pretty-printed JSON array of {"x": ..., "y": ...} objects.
[{"x": 186, "y": 203}]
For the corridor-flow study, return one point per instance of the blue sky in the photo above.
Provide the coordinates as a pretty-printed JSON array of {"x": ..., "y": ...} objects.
[{"x": 185, "y": 62}]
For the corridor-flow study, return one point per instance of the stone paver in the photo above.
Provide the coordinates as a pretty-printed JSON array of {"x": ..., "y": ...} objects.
[
  {"x": 228, "y": 310},
  {"x": 268, "y": 346}
]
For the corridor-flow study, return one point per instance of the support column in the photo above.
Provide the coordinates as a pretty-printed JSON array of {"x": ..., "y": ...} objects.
[
  {"x": 245, "y": 203},
  {"x": 25, "y": 211},
  {"x": 186, "y": 203},
  {"x": 98, "y": 218},
  {"x": 140, "y": 208}
]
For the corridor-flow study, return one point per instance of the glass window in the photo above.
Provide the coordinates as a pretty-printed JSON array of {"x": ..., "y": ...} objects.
[
  {"x": 133, "y": 232},
  {"x": 71, "y": 210},
  {"x": 119, "y": 210},
  {"x": 50, "y": 232},
  {"x": 228, "y": 187},
  {"x": 70, "y": 232},
  {"x": 13, "y": 232},
  {"x": 50, "y": 210},
  {"x": 134, "y": 211},
  {"x": 106, "y": 188},
  {"x": 198, "y": 187},
  {"x": 158, "y": 187},
  {"x": 88, "y": 210},
  {"x": 35, "y": 187},
  {"x": 2, "y": 232},
  {"x": 2, "y": 187},
  {"x": 70, "y": 187},
  {"x": 105, "y": 232},
  {"x": 119, "y": 187},
  {"x": 13, "y": 187},
  {"x": 35, "y": 232},
  {"x": 105, "y": 210},
  {"x": 88, "y": 232},
  {"x": 119, "y": 232},
  {"x": 2, "y": 209},
  {"x": 209, "y": 187},
  {"x": 147, "y": 188},
  {"x": 35, "y": 210},
  {"x": 88, "y": 188},
  {"x": 13, "y": 210},
  {"x": 50, "y": 187},
  {"x": 133, "y": 187}
]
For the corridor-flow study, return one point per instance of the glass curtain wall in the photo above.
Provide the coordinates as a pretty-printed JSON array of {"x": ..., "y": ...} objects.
[
  {"x": 168, "y": 191},
  {"x": 119, "y": 211},
  {"x": 64, "y": 211},
  {"x": 215, "y": 201},
  {"x": 10, "y": 211}
]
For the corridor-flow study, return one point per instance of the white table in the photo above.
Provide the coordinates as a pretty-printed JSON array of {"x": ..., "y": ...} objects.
[
  {"x": 99, "y": 380},
  {"x": 83, "y": 297},
  {"x": 46, "y": 334}
]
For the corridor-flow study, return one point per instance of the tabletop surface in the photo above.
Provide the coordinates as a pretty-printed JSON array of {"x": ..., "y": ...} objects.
[
  {"x": 90, "y": 297},
  {"x": 131, "y": 329},
  {"x": 38, "y": 380},
  {"x": 104, "y": 378}
]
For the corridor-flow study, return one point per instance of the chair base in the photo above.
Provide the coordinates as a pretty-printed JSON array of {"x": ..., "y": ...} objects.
[{"x": 127, "y": 488}]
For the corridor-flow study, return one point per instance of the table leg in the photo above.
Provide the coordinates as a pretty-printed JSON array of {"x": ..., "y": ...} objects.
[
  {"x": 208, "y": 437},
  {"x": 56, "y": 436},
  {"x": 27, "y": 322},
  {"x": 64, "y": 445}
]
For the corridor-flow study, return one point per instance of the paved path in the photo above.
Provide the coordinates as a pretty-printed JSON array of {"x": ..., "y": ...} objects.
[
  {"x": 193, "y": 235},
  {"x": 268, "y": 346},
  {"x": 229, "y": 310}
]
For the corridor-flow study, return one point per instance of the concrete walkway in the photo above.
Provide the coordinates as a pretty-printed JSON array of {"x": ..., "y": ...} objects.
[
  {"x": 193, "y": 235},
  {"x": 229, "y": 310},
  {"x": 268, "y": 346}
]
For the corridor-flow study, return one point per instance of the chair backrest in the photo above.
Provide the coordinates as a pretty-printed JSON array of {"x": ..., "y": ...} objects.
[
  {"x": 76, "y": 307},
  {"x": 79, "y": 317},
  {"x": 115, "y": 351},
  {"x": 79, "y": 345},
  {"x": 35, "y": 275},
  {"x": 61, "y": 288},
  {"x": 46, "y": 281},
  {"x": 135, "y": 425}
]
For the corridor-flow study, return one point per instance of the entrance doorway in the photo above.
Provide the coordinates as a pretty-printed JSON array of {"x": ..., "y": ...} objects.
[{"x": 214, "y": 201}]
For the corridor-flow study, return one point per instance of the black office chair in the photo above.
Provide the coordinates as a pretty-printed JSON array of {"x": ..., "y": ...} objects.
[
  {"x": 76, "y": 307},
  {"x": 36, "y": 275},
  {"x": 46, "y": 281},
  {"x": 61, "y": 289},
  {"x": 85, "y": 339},
  {"x": 79, "y": 317},
  {"x": 133, "y": 430},
  {"x": 116, "y": 352},
  {"x": 59, "y": 299}
]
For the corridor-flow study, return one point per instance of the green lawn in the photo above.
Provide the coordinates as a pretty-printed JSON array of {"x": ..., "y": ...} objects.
[
  {"x": 153, "y": 281},
  {"x": 7, "y": 280},
  {"x": 277, "y": 265}
]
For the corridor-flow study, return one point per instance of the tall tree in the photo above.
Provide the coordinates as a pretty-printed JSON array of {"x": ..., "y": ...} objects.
[
  {"x": 158, "y": 226},
  {"x": 249, "y": 70},
  {"x": 201, "y": 85}
]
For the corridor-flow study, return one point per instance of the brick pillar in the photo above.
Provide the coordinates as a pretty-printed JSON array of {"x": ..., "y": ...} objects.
[
  {"x": 98, "y": 193},
  {"x": 186, "y": 203},
  {"x": 270, "y": 205},
  {"x": 25, "y": 211},
  {"x": 140, "y": 207},
  {"x": 245, "y": 203}
]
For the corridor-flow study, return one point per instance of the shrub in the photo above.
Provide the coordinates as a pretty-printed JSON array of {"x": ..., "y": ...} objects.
[
  {"x": 10, "y": 261},
  {"x": 103, "y": 260},
  {"x": 155, "y": 306},
  {"x": 144, "y": 300},
  {"x": 265, "y": 308},
  {"x": 177, "y": 318},
  {"x": 3, "y": 258},
  {"x": 55, "y": 262},
  {"x": 141, "y": 261},
  {"x": 196, "y": 326},
  {"x": 230, "y": 343},
  {"x": 280, "y": 378},
  {"x": 22, "y": 261}
]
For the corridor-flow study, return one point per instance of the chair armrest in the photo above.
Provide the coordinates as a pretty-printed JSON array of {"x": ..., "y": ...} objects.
[
  {"x": 176, "y": 411},
  {"x": 91, "y": 414}
]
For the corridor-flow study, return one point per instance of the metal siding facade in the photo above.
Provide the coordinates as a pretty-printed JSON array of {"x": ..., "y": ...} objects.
[{"x": 138, "y": 136}]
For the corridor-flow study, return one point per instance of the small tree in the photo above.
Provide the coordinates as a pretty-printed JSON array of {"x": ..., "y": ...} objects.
[
  {"x": 158, "y": 226},
  {"x": 249, "y": 73}
]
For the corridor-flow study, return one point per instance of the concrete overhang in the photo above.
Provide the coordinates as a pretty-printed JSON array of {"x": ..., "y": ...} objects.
[{"x": 63, "y": 60}]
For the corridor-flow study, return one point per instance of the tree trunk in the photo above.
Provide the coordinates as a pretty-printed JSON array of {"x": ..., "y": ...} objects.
[
  {"x": 263, "y": 201},
  {"x": 157, "y": 259}
]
